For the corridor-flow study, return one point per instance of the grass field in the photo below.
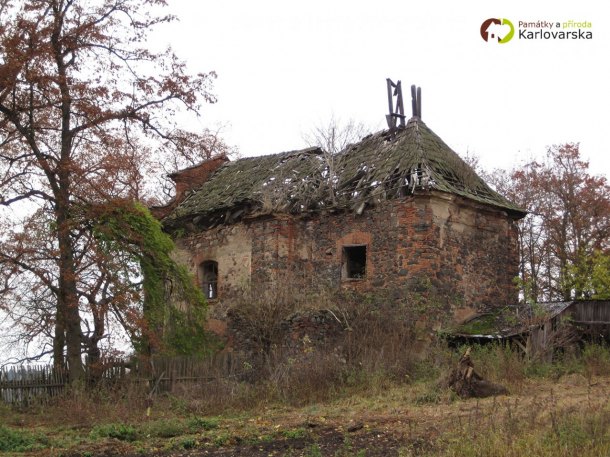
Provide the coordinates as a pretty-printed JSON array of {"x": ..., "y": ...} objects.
[{"x": 558, "y": 409}]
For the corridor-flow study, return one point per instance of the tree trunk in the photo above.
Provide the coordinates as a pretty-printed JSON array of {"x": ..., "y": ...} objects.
[
  {"x": 59, "y": 338},
  {"x": 68, "y": 298},
  {"x": 94, "y": 354}
]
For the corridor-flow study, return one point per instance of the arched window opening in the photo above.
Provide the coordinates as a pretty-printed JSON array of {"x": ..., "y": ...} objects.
[{"x": 209, "y": 279}]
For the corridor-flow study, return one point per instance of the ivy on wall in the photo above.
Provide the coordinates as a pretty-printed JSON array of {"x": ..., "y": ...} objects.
[{"x": 173, "y": 308}]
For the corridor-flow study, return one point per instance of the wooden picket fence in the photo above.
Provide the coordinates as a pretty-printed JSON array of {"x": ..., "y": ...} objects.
[
  {"x": 38, "y": 383},
  {"x": 24, "y": 384},
  {"x": 166, "y": 373}
]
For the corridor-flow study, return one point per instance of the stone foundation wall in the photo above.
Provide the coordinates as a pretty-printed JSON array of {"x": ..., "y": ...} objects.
[{"x": 301, "y": 330}]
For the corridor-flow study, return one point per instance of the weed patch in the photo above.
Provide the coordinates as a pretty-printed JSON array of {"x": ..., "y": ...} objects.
[
  {"x": 121, "y": 432},
  {"x": 20, "y": 441},
  {"x": 203, "y": 423},
  {"x": 165, "y": 428},
  {"x": 295, "y": 434},
  {"x": 188, "y": 443}
]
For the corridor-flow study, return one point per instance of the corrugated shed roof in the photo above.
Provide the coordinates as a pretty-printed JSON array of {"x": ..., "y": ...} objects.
[
  {"x": 385, "y": 165},
  {"x": 554, "y": 308}
]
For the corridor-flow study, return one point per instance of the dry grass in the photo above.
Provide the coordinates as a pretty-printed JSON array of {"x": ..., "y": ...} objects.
[
  {"x": 373, "y": 374},
  {"x": 542, "y": 416}
]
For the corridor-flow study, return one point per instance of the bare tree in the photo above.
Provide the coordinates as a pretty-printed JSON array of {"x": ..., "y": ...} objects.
[
  {"x": 334, "y": 137},
  {"x": 83, "y": 102}
]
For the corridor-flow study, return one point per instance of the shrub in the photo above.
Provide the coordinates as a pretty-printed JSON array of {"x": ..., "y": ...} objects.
[
  {"x": 260, "y": 312},
  {"x": 203, "y": 423},
  {"x": 121, "y": 432},
  {"x": 19, "y": 441},
  {"x": 596, "y": 359},
  {"x": 499, "y": 362}
]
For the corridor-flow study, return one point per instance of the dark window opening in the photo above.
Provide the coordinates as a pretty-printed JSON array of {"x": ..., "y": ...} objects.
[
  {"x": 354, "y": 262},
  {"x": 209, "y": 279}
]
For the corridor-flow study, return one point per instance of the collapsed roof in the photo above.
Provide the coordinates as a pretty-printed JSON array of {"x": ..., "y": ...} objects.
[
  {"x": 386, "y": 165},
  {"x": 509, "y": 322}
]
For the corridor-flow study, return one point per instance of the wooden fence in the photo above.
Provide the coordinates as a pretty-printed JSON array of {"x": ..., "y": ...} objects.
[
  {"x": 38, "y": 383},
  {"x": 22, "y": 385},
  {"x": 168, "y": 372}
]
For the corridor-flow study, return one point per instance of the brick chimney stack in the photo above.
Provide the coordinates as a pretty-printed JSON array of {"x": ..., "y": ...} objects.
[{"x": 186, "y": 180}]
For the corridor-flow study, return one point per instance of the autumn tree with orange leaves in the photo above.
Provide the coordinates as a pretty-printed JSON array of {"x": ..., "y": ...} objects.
[
  {"x": 564, "y": 241},
  {"x": 86, "y": 112}
]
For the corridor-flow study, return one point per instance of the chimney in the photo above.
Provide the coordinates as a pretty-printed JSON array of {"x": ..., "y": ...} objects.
[
  {"x": 193, "y": 177},
  {"x": 416, "y": 101},
  {"x": 187, "y": 180}
]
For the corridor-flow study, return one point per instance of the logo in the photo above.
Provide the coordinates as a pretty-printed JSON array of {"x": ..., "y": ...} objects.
[{"x": 497, "y": 30}]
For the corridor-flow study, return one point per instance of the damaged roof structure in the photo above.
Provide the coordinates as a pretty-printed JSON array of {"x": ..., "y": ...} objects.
[{"x": 386, "y": 165}]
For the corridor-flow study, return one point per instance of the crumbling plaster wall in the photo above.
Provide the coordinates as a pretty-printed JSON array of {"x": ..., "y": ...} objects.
[{"x": 230, "y": 246}]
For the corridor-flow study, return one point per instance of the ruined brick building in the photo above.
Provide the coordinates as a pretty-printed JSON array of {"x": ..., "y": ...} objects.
[{"x": 396, "y": 209}]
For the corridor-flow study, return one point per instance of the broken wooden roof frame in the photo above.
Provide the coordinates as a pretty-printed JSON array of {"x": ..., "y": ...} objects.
[
  {"x": 395, "y": 163},
  {"x": 398, "y": 112}
]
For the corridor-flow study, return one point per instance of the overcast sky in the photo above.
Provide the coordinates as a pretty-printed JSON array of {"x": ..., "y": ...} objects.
[{"x": 285, "y": 66}]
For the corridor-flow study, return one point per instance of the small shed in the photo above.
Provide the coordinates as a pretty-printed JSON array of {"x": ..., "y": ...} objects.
[{"x": 541, "y": 328}]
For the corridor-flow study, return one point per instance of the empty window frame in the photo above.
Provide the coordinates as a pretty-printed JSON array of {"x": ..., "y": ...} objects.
[
  {"x": 354, "y": 262},
  {"x": 209, "y": 279}
]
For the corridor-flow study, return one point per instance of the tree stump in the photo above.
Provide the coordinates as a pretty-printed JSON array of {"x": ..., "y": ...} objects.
[{"x": 467, "y": 383}]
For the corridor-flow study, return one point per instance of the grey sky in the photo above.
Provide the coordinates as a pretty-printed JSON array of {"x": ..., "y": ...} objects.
[{"x": 284, "y": 66}]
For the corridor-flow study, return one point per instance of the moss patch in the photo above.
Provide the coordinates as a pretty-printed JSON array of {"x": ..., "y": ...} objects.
[{"x": 483, "y": 325}]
